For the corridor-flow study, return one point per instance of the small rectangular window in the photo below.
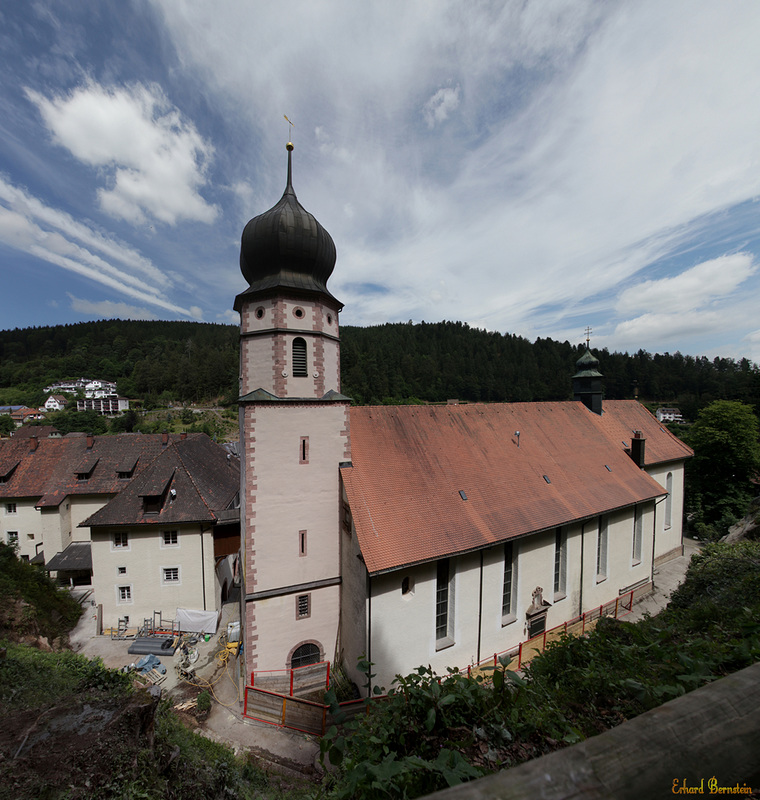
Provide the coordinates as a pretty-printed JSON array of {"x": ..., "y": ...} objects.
[
  {"x": 121, "y": 570},
  {"x": 303, "y": 606},
  {"x": 171, "y": 574},
  {"x": 169, "y": 538},
  {"x": 125, "y": 594},
  {"x": 12, "y": 537},
  {"x": 301, "y": 543},
  {"x": 10, "y": 508},
  {"x": 121, "y": 539},
  {"x": 303, "y": 453}
]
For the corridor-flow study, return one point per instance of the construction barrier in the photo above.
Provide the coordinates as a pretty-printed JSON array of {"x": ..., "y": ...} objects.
[
  {"x": 295, "y": 682},
  {"x": 296, "y": 713}
]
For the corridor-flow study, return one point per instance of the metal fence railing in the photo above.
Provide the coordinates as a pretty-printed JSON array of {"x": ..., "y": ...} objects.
[{"x": 578, "y": 626}]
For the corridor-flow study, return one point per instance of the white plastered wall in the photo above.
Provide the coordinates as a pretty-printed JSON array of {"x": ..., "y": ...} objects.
[
  {"x": 669, "y": 540},
  {"x": 402, "y": 626},
  {"x": 144, "y": 559},
  {"x": 26, "y": 521},
  {"x": 280, "y": 631}
]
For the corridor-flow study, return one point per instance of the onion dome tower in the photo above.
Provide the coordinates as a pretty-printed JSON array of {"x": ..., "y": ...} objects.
[
  {"x": 294, "y": 435},
  {"x": 587, "y": 382},
  {"x": 287, "y": 258},
  {"x": 286, "y": 248}
]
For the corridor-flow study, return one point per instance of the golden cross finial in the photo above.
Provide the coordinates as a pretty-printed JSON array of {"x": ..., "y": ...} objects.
[
  {"x": 290, "y": 129},
  {"x": 588, "y": 336}
]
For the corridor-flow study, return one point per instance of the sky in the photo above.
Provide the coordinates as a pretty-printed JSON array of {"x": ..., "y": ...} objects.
[{"x": 534, "y": 168}]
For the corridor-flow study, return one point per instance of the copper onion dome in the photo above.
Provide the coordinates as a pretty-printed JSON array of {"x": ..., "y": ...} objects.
[{"x": 286, "y": 247}]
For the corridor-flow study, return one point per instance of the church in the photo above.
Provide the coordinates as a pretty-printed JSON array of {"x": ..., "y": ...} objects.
[{"x": 422, "y": 535}]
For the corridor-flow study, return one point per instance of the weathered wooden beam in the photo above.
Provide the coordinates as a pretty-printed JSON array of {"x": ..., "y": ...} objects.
[{"x": 707, "y": 739}]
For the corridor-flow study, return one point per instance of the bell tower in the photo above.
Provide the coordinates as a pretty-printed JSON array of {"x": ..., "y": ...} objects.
[{"x": 294, "y": 434}]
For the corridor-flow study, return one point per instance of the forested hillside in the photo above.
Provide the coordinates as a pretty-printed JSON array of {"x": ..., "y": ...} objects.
[{"x": 400, "y": 362}]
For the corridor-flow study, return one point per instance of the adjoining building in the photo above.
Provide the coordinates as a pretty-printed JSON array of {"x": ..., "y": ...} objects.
[
  {"x": 422, "y": 535},
  {"x": 150, "y": 521}
]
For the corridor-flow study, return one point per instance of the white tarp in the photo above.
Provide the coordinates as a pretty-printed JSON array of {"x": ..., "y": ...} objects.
[{"x": 191, "y": 620}]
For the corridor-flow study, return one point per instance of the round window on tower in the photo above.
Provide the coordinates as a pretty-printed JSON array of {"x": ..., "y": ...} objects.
[
  {"x": 329, "y": 319},
  {"x": 260, "y": 312},
  {"x": 298, "y": 312}
]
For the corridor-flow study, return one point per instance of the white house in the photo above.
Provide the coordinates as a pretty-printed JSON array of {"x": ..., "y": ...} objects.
[
  {"x": 669, "y": 415},
  {"x": 170, "y": 539},
  {"x": 103, "y": 510},
  {"x": 56, "y": 402},
  {"x": 419, "y": 535}
]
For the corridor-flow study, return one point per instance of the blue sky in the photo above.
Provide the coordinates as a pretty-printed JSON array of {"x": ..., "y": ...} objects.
[{"x": 526, "y": 167}]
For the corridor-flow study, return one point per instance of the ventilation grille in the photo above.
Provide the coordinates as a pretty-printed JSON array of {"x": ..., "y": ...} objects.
[{"x": 299, "y": 358}]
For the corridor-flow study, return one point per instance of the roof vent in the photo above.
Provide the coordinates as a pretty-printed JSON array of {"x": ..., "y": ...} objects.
[
  {"x": 462, "y": 494},
  {"x": 546, "y": 478}
]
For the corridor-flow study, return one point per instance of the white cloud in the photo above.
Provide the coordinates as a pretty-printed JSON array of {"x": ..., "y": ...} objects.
[
  {"x": 29, "y": 225},
  {"x": 439, "y": 107},
  {"x": 105, "y": 309},
  {"x": 690, "y": 290},
  {"x": 155, "y": 159}
]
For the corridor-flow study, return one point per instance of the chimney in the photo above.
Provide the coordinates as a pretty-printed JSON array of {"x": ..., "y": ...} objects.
[
  {"x": 90, "y": 441},
  {"x": 183, "y": 436},
  {"x": 164, "y": 438},
  {"x": 33, "y": 443},
  {"x": 638, "y": 443}
]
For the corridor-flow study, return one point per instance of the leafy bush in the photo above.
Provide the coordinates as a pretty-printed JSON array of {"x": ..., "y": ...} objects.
[
  {"x": 49, "y": 611},
  {"x": 30, "y": 678}
]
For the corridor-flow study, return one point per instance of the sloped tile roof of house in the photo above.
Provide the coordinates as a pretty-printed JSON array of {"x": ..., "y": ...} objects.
[
  {"x": 620, "y": 418},
  {"x": 194, "y": 478},
  {"x": 77, "y": 556},
  {"x": 431, "y": 481},
  {"x": 48, "y": 469}
]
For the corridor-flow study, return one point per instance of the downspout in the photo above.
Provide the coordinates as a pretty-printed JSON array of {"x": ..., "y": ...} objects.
[{"x": 480, "y": 604}]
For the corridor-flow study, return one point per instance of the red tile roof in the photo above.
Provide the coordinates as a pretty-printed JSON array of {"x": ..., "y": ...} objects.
[
  {"x": 622, "y": 417},
  {"x": 409, "y": 464},
  {"x": 49, "y": 472},
  {"x": 204, "y": 479}
]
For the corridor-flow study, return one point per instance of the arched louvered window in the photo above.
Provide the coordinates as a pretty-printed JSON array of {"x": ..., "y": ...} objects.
[
  {"x": 299, "y": 358},
  {"x": 304, "y": 655}
]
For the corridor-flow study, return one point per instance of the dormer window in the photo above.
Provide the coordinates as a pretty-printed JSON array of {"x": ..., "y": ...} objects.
[
  {"x": 126, "y": 469},
  {"x": 7, "y": 471},
  {"x": 156, "y": 491},
  {"x": 152, "y": 504},
  {"x": 85, "y": 468}
]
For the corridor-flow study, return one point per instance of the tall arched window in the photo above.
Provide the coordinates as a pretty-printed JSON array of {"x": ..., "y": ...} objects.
[
  {"x": 299, "y": 358},
  {"x": 669, "y": 500},
  {"x": 304, "y": 655}
]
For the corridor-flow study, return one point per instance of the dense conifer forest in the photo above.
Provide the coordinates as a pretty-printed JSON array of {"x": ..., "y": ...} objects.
[{"x": 189, "y": 362}]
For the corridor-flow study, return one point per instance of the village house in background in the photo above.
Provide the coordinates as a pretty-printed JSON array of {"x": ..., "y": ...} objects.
[
  {"x": 669, "y": 415},
  {"x": 56, "y": 402},
  {"x": 422, "y": 534},
  {"x": 149, "y": 520}
]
